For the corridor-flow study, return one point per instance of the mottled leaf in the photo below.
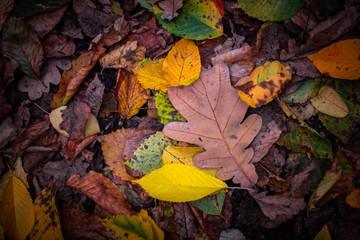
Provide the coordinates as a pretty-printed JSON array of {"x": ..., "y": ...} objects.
[{"x": 165, "y": 110}]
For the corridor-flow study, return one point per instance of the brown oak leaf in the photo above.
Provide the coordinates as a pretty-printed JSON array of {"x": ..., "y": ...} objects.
[{"x": 215, "y": 114}]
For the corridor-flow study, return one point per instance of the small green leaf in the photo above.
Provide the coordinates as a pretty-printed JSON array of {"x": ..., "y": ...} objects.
[
  {"x": 302, "y": 94},
  {"x": 165, "y": 109},
  {"x": 210, "y": 205}
]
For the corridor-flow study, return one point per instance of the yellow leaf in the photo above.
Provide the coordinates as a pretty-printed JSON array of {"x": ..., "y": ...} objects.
[
  {"x": 323, "y": 234},
  {"x": 339, "y": 60},
  {"x": 264, "y": 84},
  {"x": 133, "y": 227},
  {"x": 185, "y": 155},
  {"x": 182, "y": 65},
  {"x": 47, "y": 225},
  {"x": 151, "y": 76},
  {"x": 17, "y": 212},
  {"x": 179, "y": 183},
  {"x": 353, "y": 199},
  {"x": 92, "y": 126},
  {"x": 330, "y": 103}
]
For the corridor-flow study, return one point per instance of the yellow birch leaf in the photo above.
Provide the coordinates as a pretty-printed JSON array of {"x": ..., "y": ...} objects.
[
  {"x": 353, "y": 199},
  {"x": 323, "y": 234},
  {"x": 264, "y": 84},
  {"x": 151, "y": 76},
  {"x": 182, "y": 65},
  {"x": 339, "y": 60},
  {"x": 179, "y": 183},
  {"x": 185, "y": 155},
  {"x": 329, "y": 102},
  {"x": 47, "y": 222},
  {"x": 17, "y": 211},
  {"x": 129, "y": 95}
]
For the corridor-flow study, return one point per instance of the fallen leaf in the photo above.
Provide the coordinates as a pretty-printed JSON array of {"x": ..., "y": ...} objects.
[
  {"x": 133, "y": 227},
  {"x": 57, "y": 46},
  {"x": 165, "y": 110},
  {"x": 103, "y": 191},
  {"x": 182, "y": 65},
  {"x": 211, "y": 205},
  {"x": 270, "y": 11},
  {"x": 129, "y": 94},
  {"x": 17, "y": 211},
  {"x": 8, "y": 74},
  {"x": 323, "y": 234},
  {"x": 211, "y": 103},
  {"x": 47, "y": 221},
  {"x": 20, "y": 43},
  {"x": 148, "y": 156},
  {"x": 29, "y": 8},
  {"x": 7, "y": 6},
  {"x": 353, "y": 199},
  {"x": 75, "y": 147},
  {"x": 170, "y": 7},
  {"x": 179, "y": 183},
  {"x": 127, "y": 56},
  {"x": 302, "y": 94},
  {"x": 70, "y": 29},
  {"x": 264, "y": 84},
  {"x": 330, "y": 103},
  {"x": 185, "y": 219},
  {"x": 339, "y": 60},
  {"x": 94, "y": 94}
]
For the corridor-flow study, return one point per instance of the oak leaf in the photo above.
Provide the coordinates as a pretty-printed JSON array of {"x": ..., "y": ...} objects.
[{"x": 215, "y": 116}]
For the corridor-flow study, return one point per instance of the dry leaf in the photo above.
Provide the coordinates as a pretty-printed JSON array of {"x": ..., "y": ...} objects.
[
  {"x": 170, "y": 7},
  {"x": 103, "y": 191},
  {"x": 214, "y": 112},
  {"x": 185, "y": 219},
  {"x": 329, "y": 102},
  {"x": 6, "y": 7},
  {"x": 75, "y": 147},
  {"x": 57, "y": 46},
  {"x": 94, "y": 95},
  {"x": 353, "y": 199}
]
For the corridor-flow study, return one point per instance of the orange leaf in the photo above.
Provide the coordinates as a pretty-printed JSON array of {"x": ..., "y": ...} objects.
[
  {"x": 103, "y": 191},
  {"x": 353, "y": 199},
  {"x": 129, "y": 95},
  {"x": 339, "y": 60},
  {"x": 72, "y": 78}
]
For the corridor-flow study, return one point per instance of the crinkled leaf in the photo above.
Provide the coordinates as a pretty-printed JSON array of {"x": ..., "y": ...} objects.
[
  {"x": 47, "y": 221},
  {"x": 264, "y": 84},
  {"x": 165, "y": 110},
  {"x": 179, "y": 183},
  {"x": 17, "y": 211},
  {"x": 215, "y": 114},
  {"x": 323, "y": 234},
  {"x": 211, "y": 205},
  {"x": 20, "y": 43},
  {"x": 353, "y": 199},
  {"x": 148, "y": 156},
  {"x": 272, "y": 10},
  {"x": 339, "y": 60}
]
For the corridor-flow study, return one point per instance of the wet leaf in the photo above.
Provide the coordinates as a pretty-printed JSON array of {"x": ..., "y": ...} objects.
[
  {"x": 165, "y": 110},
  {"x": 353, "y": 199},
  {"x": 339, "y": 60},
  {"x": 211, "y": 205},
  {"x": 103, "y": 191},
  {"x": 170, "y": 7},
  {"x": 148, "y": 156},
  {"x": 129, "y": 94},
  {"x": 17, "y": 211},
  {"x": 323, "y": 234},
  {"x": 270, "y": 10},
  {"x": 264, "y": 84},
  {"x": 151, "y": 75},
  {"x": 20, "y": 43},
  {"x": 215, "y": 114},
  {"x": 330, "y": 103},
  {"x": 179, "y": 183},
  {"x": 47, "y": 221},
  {"x": 182, "y": 65}
]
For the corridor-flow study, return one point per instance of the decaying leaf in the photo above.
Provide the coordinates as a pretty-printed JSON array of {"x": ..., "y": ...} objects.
[
  {"x": 323, "y": 234},
  {"x": 133, "y": 227},
  {"x": 57, "y": 46},
  {"x": 179, "y": 183},
  {"x": 185, "y": 219},
  {"x": 214, "y": 112},
  {"x": 353, "y": 199},
  {"x": 74, "y": 147},
  {"x": 264, "y": 84},
  {"x": 165, "y": 110},
  {"x": 151, "y": 75},
  {"x": 339, "y": 60},
  {"x": 103, "y": 191},
  {"x": 129, "y": 94},
  {"x": 94, "y": 95},
  {"x": 127, "y": 56},
  {"x": 47, "y": 221},
  {"x": 170, "y": 7},
  {"x": 17, "y": 211}
]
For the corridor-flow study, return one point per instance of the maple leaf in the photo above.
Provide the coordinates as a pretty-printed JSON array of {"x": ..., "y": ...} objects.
[{"x": 214, "y": 112}]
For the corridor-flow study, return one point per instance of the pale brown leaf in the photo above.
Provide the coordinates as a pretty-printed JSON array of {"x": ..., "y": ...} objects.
[{"x": 170, "y": 7}]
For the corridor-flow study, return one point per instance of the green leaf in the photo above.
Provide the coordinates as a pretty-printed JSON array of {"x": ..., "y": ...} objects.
[
  {"x": 302, "y": 94},
  {"x": 270, "y": 10},
  {"x": 31, "y": 7},
  {"x": 210, "y": 205},
  {"x": 148, "y": 156},
  {"x": 197, "y": 20},
  {"x": 302, "y": 139},
  {"x": 323, "y": 234},
  {"x": 165, "y": 109}
]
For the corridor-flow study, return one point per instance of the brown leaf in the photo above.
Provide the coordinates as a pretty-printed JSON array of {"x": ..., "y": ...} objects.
[
  {"x": 94, "y": 95},
  {"x": 103, "y": 191},
  {"x": 8, "y": 74},
  {"x": 170, "y": 7},
  {"x": 6, "y": 7},
  {"x": 70, "y": 29},
  {"x": 58, "y": 46},
  {"x": 43, "y": 23},
  {"x": 129, "y": 95},
  {"x": 274, "y": 160},
  {"x": 214, "y": 112},
  {"x": 185, "y": 219},
  {"x": 305, "y": 19},
  {"x": 75, "y": 117},
  {"x": 75, "y": 147}
]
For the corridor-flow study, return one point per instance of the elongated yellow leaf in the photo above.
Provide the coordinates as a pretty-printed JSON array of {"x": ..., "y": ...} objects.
[
  {"x": 339, "y": 60},
  {"x": 185, "y": 155},
  {"x": 179, "y": 183},
  {"x": 47, "y": 225},
  {"x": 329, "y": 102},
  {"x": 151, "y": 76},
  {"x": 182, "y": 65},
  {"x": 17, "y": 211},
  {"x": 353, "y": 199},
  {"x": 158, "y": 233}
]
